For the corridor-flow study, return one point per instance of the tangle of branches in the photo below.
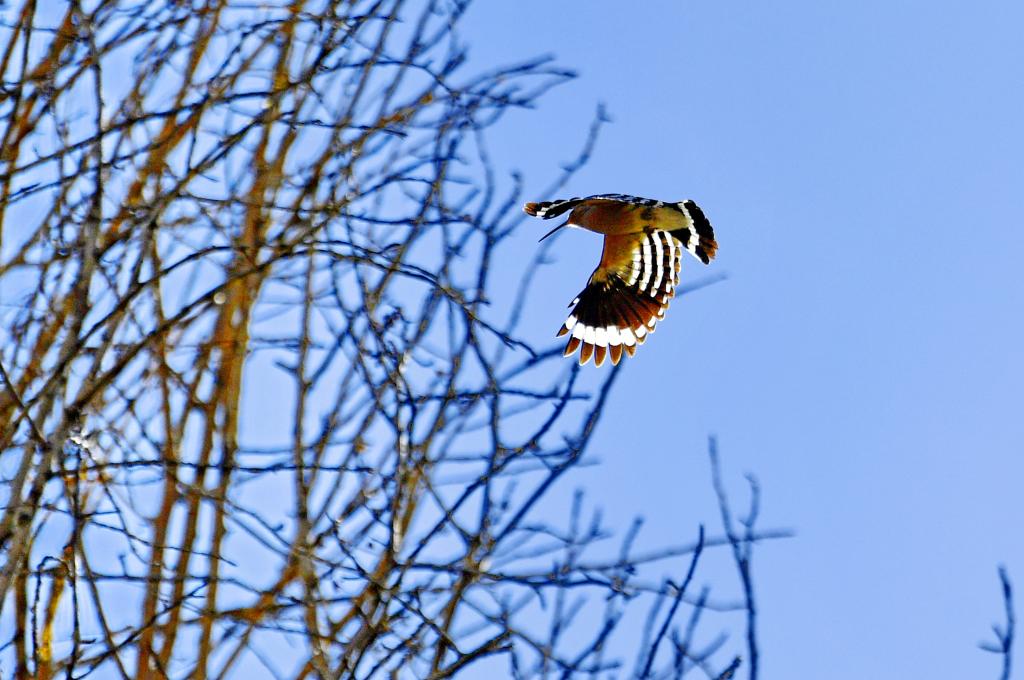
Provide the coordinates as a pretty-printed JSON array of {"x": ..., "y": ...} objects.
[{"x": 256, "y": 413}]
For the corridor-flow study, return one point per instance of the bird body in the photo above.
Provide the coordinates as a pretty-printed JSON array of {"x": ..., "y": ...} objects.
[{"x": 639, "y": 269}]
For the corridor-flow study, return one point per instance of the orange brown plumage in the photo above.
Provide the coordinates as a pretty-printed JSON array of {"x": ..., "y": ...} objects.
[{"x": 635, "y": 280}]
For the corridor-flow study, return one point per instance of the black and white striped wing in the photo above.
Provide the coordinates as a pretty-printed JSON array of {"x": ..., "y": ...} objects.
[{"x": 626, "y": 296}]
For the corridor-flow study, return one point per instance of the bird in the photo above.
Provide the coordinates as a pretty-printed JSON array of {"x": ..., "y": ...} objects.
[{"x": 630, "y": 290}]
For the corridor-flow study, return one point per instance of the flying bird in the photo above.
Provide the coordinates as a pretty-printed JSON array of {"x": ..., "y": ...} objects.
[{"x": 638, "y": 273}]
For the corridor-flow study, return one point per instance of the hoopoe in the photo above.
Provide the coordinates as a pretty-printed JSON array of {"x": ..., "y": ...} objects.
[{"x": 638, "y": 273}]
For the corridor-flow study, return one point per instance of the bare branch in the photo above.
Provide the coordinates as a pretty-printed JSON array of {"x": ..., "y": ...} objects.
[{"x": 1003, "y": 646}]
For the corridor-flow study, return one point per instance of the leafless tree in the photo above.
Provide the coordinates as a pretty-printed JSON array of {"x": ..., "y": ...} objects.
[{"x": 256, "y": 413}]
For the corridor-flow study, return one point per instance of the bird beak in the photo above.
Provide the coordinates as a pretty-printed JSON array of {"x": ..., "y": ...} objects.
[{"x": 563, "y": 224}]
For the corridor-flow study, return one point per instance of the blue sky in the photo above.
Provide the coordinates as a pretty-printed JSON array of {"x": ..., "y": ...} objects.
[{"x": 862, "y": 165}]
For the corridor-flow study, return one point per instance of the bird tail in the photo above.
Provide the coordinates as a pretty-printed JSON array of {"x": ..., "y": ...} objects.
[
  {"x": 548, "y": 209},
  {"x": 697, "y": 236}
]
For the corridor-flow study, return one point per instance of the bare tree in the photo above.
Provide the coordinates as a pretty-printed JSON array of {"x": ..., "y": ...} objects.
[{"x": 257, "y": 414}]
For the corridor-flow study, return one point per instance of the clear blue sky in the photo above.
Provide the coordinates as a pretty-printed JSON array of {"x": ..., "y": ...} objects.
[{"x": 863, "y": 165}]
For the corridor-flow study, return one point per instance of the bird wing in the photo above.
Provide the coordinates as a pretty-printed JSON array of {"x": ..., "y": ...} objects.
[{"x": 626, "y": 296}]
